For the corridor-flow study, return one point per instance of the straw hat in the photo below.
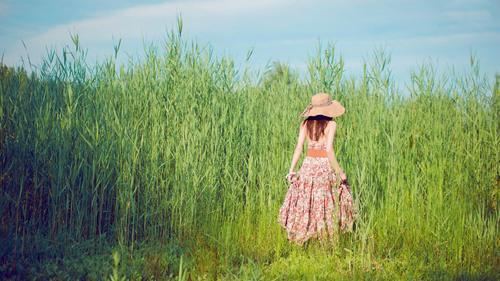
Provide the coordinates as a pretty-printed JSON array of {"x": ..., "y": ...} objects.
[{"x": 322, "y": 104}]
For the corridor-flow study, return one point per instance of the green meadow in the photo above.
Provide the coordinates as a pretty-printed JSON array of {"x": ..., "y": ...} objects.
[{"x": 173, "y": 168}]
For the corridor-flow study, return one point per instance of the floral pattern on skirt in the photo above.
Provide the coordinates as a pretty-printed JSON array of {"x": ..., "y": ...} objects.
[{"x": 315, "y": 205}]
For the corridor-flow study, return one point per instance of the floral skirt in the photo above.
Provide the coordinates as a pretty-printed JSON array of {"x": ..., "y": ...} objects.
[{"x": 315, "y": 204}]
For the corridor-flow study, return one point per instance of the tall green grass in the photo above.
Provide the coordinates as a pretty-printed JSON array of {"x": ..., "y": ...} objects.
[{"x": 183, "y": 146}]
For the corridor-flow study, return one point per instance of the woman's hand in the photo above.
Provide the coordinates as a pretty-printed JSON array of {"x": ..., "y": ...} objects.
[
  {"x": 343, "y": 176},
  {"x": 290, "y": 176}
]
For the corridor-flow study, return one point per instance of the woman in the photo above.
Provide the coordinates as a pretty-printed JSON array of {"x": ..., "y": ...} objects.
[{"x": 315, "y": 198}]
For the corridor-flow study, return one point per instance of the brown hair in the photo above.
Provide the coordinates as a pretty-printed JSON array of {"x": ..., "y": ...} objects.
[{"x": 316, "y": 126}]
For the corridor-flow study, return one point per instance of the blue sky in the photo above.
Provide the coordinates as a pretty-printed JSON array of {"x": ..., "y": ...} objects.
[{"x": 444, "y": 32}]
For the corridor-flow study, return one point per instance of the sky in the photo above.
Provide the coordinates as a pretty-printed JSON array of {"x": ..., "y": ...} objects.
[{"x": 445, "y": 33}]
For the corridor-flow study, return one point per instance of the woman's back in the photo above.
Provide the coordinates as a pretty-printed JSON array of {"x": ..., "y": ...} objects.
[{"x": 321, "y": 142}]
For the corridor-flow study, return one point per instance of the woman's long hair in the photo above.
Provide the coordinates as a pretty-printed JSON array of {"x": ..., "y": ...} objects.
[{"x": 316, "y": 126}]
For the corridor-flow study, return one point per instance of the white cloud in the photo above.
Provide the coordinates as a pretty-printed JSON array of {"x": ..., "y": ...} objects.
[
  {"x": 145, "y": 21},
  {"x": 455, "y": 38},
  {"x": 468, "y": 15},
  {"x": 411, "y": 42}
]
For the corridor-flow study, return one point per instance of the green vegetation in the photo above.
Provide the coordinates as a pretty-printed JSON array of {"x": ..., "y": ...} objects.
[{"x": 176, "y": 165}]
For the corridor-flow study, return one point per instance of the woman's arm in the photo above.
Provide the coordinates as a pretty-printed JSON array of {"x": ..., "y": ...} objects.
[
  {"x": 329, "y": 149},
  {"x": 298, "y": 147}
]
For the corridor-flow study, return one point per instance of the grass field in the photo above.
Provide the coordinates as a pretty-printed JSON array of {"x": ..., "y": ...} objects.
[{"x": 173, "y": 168}]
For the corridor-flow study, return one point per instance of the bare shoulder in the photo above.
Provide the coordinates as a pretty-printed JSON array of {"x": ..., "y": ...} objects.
[
  {"x": 331, "y": 127},
  {"x": 302, "y": 128},
  {"x": 332, "y": 124}
]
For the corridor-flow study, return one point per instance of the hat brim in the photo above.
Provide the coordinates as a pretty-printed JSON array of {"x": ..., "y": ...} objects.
[{"x": 335, "y": 109}]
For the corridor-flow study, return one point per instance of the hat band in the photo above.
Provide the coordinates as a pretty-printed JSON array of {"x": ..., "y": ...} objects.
[{"x": 310, "y": 106}]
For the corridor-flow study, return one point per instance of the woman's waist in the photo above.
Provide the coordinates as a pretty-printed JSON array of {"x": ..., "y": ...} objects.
[{"x": 311, "y": 152}]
